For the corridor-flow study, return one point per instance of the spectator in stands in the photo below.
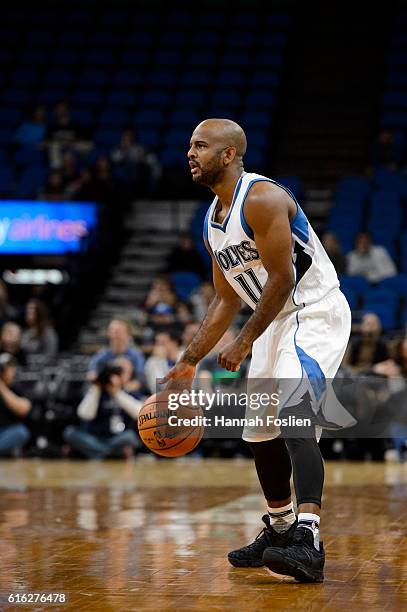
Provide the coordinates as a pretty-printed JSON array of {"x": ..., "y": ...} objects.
[
  {"x": 201, "y": 298},
  {"x": 120, "y": 345},
  {"x": 185, "y": 257},
  {"x": 53, "y": 190},
  {"x": 31, "y": 132},
  {"x": 166, "y": 351},
  {"x": 40, "y": 337},
  {"x": 396, "y": 366},
  {"x": 367, "y": 348},
  {"x": 62, "y": 133},
  {"x": 134, "y": 164},
  {"x": 161, "y": 291},
  {"x": 161, "y": 317},
  {"x": 107, "y": 412},
  {"x": 13, "y": 409},
  {"x": 69, "y": 171},
  {"x": 189, "y": 332},
  {"x": 102, "y": 184},
  {"x": 333, "y": 248},
  {"x": 373, "y": 262},
  {"x": 10, "y": 342},
  {"x": 7, "y": 311}
]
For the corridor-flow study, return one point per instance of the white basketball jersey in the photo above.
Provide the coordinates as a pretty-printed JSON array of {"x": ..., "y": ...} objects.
[{"x": 232, "y": 243}]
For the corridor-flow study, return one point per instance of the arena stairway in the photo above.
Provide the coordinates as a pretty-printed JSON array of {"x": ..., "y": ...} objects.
[{"x": 153, "y": 229}]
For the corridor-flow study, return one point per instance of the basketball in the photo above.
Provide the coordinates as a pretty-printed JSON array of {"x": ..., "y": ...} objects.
[{"x": 166, "y": 432}]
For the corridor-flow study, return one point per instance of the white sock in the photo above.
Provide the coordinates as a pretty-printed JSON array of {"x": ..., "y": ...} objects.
[
  {"x": 310, "y": 521},
  {"x": 282, "y": 518}
]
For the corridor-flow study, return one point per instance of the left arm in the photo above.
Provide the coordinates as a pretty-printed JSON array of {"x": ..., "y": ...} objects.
[{"x": 267, "y": 212}]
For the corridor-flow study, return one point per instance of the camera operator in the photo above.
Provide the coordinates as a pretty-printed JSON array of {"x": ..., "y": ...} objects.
[
  {"x": 13, "y": 408},
  {"x": 108, "y": 413}
]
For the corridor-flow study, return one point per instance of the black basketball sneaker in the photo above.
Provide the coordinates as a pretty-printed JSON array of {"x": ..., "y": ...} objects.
[
  {"x": 252, "y": 555},
  {"x": 300, "y": 559}
]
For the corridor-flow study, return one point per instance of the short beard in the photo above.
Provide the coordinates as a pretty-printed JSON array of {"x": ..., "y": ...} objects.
[{"x": 212, "y": 174}]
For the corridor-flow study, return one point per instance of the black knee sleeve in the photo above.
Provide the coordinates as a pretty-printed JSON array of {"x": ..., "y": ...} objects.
[
  {"x": 306, "y": 458},
  {"x": 273, "y": 466}
]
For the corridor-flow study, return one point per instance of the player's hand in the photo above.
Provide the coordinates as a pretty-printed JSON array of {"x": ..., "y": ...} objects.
[
  {"x": 231, "y": 356},
  {"x": 180, "y": 376}
]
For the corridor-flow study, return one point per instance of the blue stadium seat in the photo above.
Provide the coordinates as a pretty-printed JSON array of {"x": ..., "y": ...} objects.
[
  {"x": 26, "y": 77},
  {"x": 34, "y": 58},
  {"x": 260, "y": 119},
  {"x": 230, "y": 78},
  {"x": 293, "y": 183},
  {"x": 10, "y": 116},
  {"x": 51, "y": 96},
  {"x": 122, "y": 98},
  {"x": 156, "y": 97},
  {"x": 6, "y": 135},
  {"x": 184, "y": 117},
  {"x": 30, "y": 181},
  {"x": 149, "y": 137},
  {"x": 17, "y": 97},
  {"x": 357, "y": 284},
  {"x": 167, "y": 57},
  {"x": 7, "y": 179},
  {"x": 354, "y": 183},
  {"x": 127, "y": 78},
  {"x": 264, "y": 79},
  {"x": 268, "y": 58},
  {"x": 254, "y": 159},
  {"x": 184, "y": 283},
  {"x": 386, "y": 314},
  {"x": 99, "y": 57},
  {"x": 391, "y": 180},
  {"x": 379, "y": 296},
  {"x": 111, "y": 117},
  {"x": 72, "y": 38},
  {"x": 172, "y": 156},
  {"x": 162, "y": 78},
  {"x": 178, "y": 137},
  {"x": 134, "y": 58},
  {"x": 107, "y": 137},
  {"x": 148, "y": 116},
  {"x": 276, "y": 40},
  {"x": 201, "y": 58},
  {"x": 195, "y": 78},
  {"x": 235, "y": 58},
  {"x": 189, "y": 98},
  {"x": 84, "y": 116},
  {"x": 94, "y": 78},
  {"x": 394, "y": 119},
  {"x": 140, "y": 39},
  {"x": 395, "y": 99},
  {"x": 257, "y": 138},
  {"x": 227, "y": 98},
  {"x": 28, "y": 156},
  {"x": 89, "y": 98},
  {"x": 396, "y": 284},
  {"x": 57, "y": 77},
  {"x": 351, "y": 297},
  {"x": 66, "y": 57},
  {"x": 173, "y": 38},
  {"x": 260, "y": 99},
  {"x": 208, "y": 38},
  {"x": 385, "y": 213},
  {"x": 240, "y": 38}
]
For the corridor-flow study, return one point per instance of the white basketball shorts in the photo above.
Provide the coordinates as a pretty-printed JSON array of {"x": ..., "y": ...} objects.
[{"x": 301, "y": 352}]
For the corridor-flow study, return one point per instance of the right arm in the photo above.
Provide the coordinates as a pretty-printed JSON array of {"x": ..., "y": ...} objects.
[{"x": 221, "y": 312}]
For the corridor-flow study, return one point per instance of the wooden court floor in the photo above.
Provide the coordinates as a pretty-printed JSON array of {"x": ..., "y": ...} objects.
[{"x": 153, "y": 535}]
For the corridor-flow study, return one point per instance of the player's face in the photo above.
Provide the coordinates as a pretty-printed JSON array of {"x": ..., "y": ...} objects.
[{"x": 205, "y": 159}]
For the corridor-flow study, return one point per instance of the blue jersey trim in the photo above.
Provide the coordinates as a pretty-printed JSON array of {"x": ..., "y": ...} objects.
[
  {"x": 222, "y": 226},
  {"x": 205, "y": 225},
  {"x": 246, "y": 227},
  {"x": 312, "y": 368},
  {"x": 299, "y": 225}
]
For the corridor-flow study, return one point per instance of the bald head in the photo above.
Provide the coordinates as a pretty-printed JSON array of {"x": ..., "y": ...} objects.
[
  {"x": 216, "y": 150},
  {"x": 226, "y": 132}
]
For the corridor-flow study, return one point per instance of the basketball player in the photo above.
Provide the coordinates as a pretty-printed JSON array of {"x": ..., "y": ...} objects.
[{"x": 265, "y": 252}]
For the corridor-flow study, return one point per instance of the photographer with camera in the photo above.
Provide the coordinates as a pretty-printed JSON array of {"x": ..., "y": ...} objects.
[
  {"x": 108, "y": 413},
  {"x": 13, "y": 408}
]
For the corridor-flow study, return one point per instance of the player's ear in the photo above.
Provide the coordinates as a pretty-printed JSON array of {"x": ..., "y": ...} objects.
[{"x": 229, "y": 155}]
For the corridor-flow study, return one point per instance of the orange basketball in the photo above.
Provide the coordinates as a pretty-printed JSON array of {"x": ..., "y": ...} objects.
[{"x": 171, "y": 433}]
